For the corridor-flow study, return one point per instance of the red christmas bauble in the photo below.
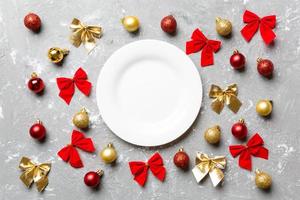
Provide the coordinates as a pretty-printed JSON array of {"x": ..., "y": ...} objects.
[
  {"x": 92, "y": 179},
  {"x": 33, "y": 22},
  {"x": 239, "y": 130},
  {"x": 237, "y": 60},
  {"x": 265, "y": 67},
  {"x": 181, "y": 159},
  {"x": 168, "y": 24},
  {"x": 38, "y": 131},
  {"x": 36, "y": 84}
]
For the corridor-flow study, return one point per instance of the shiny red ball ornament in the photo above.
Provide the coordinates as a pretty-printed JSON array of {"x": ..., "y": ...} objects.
[
  {"x": 36, "y": 84},
  {"x": 181, "y": 159},
  {"x": 33, "y": 22},
  {"x": 265, "y": 67},
  {"x": 37, "y": 130},
  {"x": 92, "y": 179},
  {"x": 237, "y": 60},
  {"x": 168, "y": 24},
  {"x": 239, "y": 129}
]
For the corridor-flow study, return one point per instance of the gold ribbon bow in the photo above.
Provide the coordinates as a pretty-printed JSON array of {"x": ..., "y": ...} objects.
[
  {"x": 84, "y": 34},
  {"x": 227, "y": 96},
  {"x": 212, "y": 166},
  {"x": 34, "y": 173}
]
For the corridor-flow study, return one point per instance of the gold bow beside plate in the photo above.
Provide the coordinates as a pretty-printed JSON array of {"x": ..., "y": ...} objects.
[
  {"x": 212, "y": 166},
  {"x": 84, "y": 34},
  {"x": 227, "y": 96},
  {"x": 33, "y": 173}
]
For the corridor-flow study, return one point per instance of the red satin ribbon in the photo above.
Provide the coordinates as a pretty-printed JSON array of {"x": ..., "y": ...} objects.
[
  {"x": 70, "y": 154},
  {"x": 254, "y": 147},
  {"x": 140, "y": 169},
  {"x": 67, "y": 85},
  {"x": 198, "y": 42},
  {"x": 265, "y": 25}
]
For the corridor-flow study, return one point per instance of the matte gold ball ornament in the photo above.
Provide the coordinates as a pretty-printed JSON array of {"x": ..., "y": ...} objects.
[
  {"x": 131, "y": 23},
  {"x": 223, "y": 26},
  {"x": 109, "y": 154},
  {"x": 56, "y": 55},
  {"x": 264, "y": 107},
  {"x": 213, "y": 135},
  {"x": 263, "y": 180},
  {"x": 81, "y": 119}
]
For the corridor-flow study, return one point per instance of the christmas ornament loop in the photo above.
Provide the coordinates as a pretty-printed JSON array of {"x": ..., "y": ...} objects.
[
  {"x": 56, "y": 54},
  {"x": 209, "y": 165},
  {"x": 100, "y": 172},
  {"x": 227, "y": 96},
  {"x": 84, "y": 34},
  {"x": 34, "y": 173}
]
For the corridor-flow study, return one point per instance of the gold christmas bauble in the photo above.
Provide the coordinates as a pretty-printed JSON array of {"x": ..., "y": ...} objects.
[
  {"x": 213, "y": 134},
  {"x": 264, "y": 107},
  {"x": 263, "y": 180},
  {"x": 56, "y": 55},
  {"x": 223, "y": 26},
  {"x": 81, "y": 119},
  {"x": 108, "y": 154},
  {"x": 131, "y": 23}
]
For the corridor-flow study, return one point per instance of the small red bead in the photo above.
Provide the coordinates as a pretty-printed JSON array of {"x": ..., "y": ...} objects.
[
  {"x": 37, "y": 131},
  {"x": 265, "y": 67},
  {"x": 239, "y": 130},
  {"x": 181, "y": 160},
  {"x": 168, "y": 24},
  {"x": 33, "y": 22},
  {"x": 36, "y": 84},
  {"x": 237, "y": 60},
  {"x": 92, "y": 179}
]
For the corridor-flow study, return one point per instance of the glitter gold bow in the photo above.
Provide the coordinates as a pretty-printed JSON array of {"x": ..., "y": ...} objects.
[
  {"x": 212, "y": 166},
  {"x": 227, "y": 96},
  {"x": 34, "y": 173},
  {"x": 84, "y": 34}
]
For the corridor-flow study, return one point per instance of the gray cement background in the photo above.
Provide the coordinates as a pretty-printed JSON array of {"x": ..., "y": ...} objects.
[{"x": 22, "y": 52}]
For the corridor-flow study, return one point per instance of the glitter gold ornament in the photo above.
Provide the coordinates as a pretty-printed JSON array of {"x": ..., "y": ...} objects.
[
  {"x": 264, "y": 107},
  {"x": 81, "y": 119},
  {"x": 56, "y": 55},
  {"x": 223, "y": 26},
  {"x": 213, "y": 134},
  {"x": 108, "y": 154},
  {"x": 131, "y": 23},
  {"x": 263, "y": 180}
]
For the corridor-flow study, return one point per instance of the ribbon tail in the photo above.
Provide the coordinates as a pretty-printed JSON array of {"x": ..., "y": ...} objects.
[
  {"x": 27, "y": 177},
  {"x": 198, "y": 174},
  {"x": 233, "y": 103},
  {"x": 217, "y": 105},
  {"x": 216, "y": 176},
  {"x": 207, "y": 56},
  {"x": 75, "y": 160},
  {"x": 267, "y": 34},
  {"x": 245, "y": 160},
  {"x": 42, "y": 183},
  {"x": 249, "y": 30}
]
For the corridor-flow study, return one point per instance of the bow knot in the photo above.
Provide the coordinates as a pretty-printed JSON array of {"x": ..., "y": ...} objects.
[
  {"x": 209, "y": 165},
  {"x": 208, "y": 47},
  {"x": 254, "y": 22},
  {"x": 34, "y": 173},
  {"x": 253, "y": 147},
  {"x": 227, "y": 96},
  {"x": 84, "y": 34},
  {"x": 67, "y": 85},
  {"x": 140, "y": 169},
  {"x": 70, "y": 154}
]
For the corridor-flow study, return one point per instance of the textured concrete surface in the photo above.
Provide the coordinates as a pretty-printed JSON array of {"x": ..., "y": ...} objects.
[{"x": 22, "y": 52}]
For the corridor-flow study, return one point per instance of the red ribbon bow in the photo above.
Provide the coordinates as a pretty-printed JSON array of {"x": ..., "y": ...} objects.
[
  {"x": 265, "y": 24},
  {"x": 254, "y": 147},
  {"x": 198, "y": 42},
  {"x": 140, "y": 169},
  {"x": 70, "y": 153},
  {"x": 67, "y": 85}
]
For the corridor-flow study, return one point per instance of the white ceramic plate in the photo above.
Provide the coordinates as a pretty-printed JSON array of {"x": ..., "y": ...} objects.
[{"x": 149, "y": 92}]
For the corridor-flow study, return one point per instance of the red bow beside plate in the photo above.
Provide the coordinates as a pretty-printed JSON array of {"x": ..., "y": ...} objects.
[{"x": 140, "y": 169}]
